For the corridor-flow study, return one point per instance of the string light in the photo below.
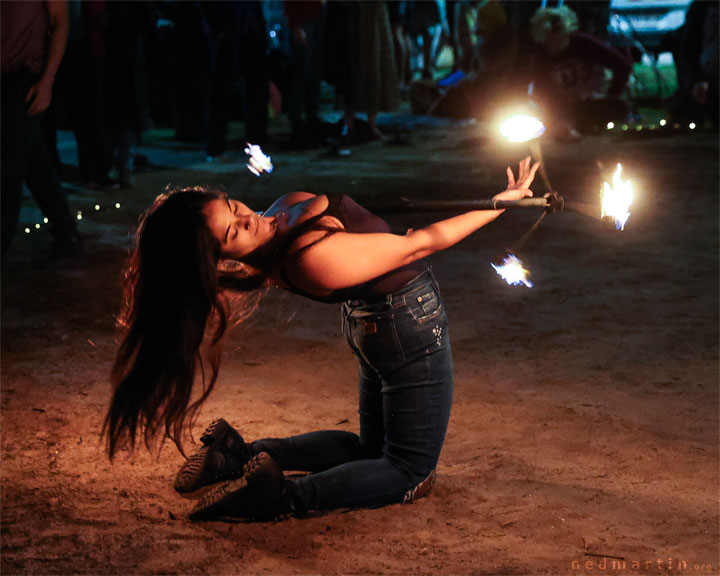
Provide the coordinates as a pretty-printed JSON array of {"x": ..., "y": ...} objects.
[
  {"x": 691, "y": 125},
  {"x": 625, "y": 127},
  {"x": 78, "y": 216},
  {"x": 610, "y": 125},
  {"x": 663, "y": 122}
]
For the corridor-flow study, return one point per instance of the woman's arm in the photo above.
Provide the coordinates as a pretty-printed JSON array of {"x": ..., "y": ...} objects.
[{"x": 345, "y": 259}]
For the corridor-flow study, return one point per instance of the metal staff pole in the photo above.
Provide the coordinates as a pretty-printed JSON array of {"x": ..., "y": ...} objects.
[{"x": 552, "y": 202}]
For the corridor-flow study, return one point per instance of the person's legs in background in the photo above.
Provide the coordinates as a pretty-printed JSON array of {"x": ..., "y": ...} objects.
[
  {"x": 25, "y": 158},
  {"x": 44, "y": 184},
  {"x": 219, "y": 97},
  {"x": 316, "y": 45},
  {"x": 256, "y": 72},
  {"x": 18, "y": 133},
  {"x": 295, "y": 104},
  {"x": 125, "y": 141}
]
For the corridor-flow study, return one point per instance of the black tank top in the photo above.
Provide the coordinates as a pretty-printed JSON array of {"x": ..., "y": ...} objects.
[{"x": 357, "y": 220}]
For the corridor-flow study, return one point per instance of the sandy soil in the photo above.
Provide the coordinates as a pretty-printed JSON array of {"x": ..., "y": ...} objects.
[{"x": 584, "y": 434}]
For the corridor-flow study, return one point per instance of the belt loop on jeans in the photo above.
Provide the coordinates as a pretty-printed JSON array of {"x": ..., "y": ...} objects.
[{"x": 345, "y": 312}]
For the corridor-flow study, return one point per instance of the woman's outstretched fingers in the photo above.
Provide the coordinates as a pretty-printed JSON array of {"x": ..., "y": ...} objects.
[
  {"x": 523, "y": 168},
  {"x": 511, "y": 177},
  {"x": 530, "y": 176}
]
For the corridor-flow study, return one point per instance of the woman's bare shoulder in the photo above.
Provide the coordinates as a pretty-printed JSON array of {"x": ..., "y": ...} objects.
[
  {"x": 299, "y": 207},
  {"x": 288, "y": 200}
]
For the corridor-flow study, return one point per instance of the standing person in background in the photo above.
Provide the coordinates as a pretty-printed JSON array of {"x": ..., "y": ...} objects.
[
  {"x": 190, "y": 68},
  {"x": 83, "y": 82},
  {"x": 237, "y": 39},
  {"x": 426, "y": 21},
  {"x": 463, "y": 15},
  {"x": 127, "y": 25},
  {"x": 34, "y": 34},
  {"x": 306, "y": 21},
  {"x": 697, "y": 64},
  {"x": 362, "y": 63},
  {"x": 398, "y": 15}
]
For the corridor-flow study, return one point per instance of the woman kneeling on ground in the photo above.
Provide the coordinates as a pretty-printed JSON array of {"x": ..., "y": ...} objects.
[{"x": 199, "y": 259}]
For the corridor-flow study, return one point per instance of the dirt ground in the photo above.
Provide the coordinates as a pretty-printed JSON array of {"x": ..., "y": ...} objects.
[{"x": 584, "y": 433}]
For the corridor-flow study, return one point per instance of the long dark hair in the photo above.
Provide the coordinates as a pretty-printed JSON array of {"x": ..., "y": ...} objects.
[{"x": 177, "y": 295}]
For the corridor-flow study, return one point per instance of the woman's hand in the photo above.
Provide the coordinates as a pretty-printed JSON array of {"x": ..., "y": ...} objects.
[{"x": 520, "y": 188}]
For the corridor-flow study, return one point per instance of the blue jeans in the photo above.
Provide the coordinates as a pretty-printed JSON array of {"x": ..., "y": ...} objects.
[{"x": 406, "y": 386}]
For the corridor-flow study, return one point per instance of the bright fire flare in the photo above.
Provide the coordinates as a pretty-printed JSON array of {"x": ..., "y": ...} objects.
[
  {"x": 258, "y": 162},
  {"x": 522, "y": 128},
  {"x": 511, "y": 270},
  {"x": 616, "y": 199}
]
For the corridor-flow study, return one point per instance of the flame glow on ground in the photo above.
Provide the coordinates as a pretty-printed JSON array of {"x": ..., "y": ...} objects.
[
  {"x": 616, "y": 199},
  {"x": 522, "y": 128},
  {"x": 258, "y": 162},
  {"x": 512, "y": 271}
]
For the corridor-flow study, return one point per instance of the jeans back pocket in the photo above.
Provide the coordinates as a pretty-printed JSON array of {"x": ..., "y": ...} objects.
[{"x": 424, "y": 303}]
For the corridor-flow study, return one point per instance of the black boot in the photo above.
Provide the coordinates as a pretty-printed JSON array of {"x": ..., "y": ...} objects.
[
  {"x": 223, "y": 456},
  {"x": 262, "y": 494}
]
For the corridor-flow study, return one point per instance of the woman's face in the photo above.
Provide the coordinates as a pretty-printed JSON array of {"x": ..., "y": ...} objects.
[{"x": 239, "y": 230}]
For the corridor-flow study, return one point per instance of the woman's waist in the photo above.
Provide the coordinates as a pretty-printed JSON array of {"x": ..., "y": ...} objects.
[{"x": 417, "y": 291}]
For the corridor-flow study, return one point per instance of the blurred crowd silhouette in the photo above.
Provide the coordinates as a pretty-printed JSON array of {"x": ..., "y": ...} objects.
[{"x": 195, "y": 66}]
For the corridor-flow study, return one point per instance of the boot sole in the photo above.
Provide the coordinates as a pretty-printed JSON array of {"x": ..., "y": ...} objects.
[
  {"x": 246, "y": 497},
  {"x": 189, "y": 478}
]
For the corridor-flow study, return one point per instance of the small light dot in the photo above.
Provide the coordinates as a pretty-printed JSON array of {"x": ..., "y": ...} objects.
[
  {"x": 79, "y": 216},
  {"x": 97, "y": 206},
  {"x": 27, "y": 230},
  {"x": 610, "y": 125},
  {"x": 37, "y": 226},
  {"x": 625, "y": 127},
  {"x": 691, "y": 125},
  {"x": 638, "y": 128},
  {"x": 45, "y": 220},
  {"x": 117, "y": 204},
  {"x": 663, "y": 122}
]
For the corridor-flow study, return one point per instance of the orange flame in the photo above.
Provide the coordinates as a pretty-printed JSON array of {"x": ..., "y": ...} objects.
[{"x": 616, "y": 199}]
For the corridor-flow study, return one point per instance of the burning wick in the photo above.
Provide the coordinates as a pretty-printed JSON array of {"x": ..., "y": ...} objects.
[
  {"x": 522, "y": 128},
  {"x": 511, "y": 270},
  {"x": 616, "y": 199},
  {"x": 258, "y": 162}
]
